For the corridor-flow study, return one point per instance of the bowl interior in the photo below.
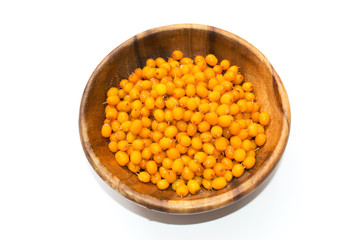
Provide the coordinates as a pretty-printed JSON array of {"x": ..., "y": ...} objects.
[{"x": 192, "y": 40}]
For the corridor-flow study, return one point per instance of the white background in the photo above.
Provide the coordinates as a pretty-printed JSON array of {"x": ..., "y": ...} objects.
[{"x": 48, "y": 51}]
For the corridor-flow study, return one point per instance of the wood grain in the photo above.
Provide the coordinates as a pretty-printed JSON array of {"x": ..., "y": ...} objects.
[{"x": 192, "y": 39}]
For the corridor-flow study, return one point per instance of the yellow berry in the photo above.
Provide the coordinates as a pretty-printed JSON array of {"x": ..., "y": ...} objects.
[
  {"x": 219, "y": 183},
  {"x": 144, "y": 177}
]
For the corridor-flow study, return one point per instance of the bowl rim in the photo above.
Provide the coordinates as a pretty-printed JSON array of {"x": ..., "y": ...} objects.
[{"x": 183, "y": 206}]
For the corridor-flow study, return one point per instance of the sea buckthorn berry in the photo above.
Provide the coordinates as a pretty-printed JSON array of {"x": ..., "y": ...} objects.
[
  {"x": 229, "y": 152},
  {"x": 211, "y": 59},
  {"x": 207, "y": 184},
  {"x": 219, "y": 183},
  {"x": 234, "y": 128},
  {"x": 255, "y": 117},
  {"x": 120, "y": 135},
  {"x": 178, "y": 113},
  {"x": 246, "y": 145},
  {"x": 191, "y": 129},
  {"x": 208, "y": 148},
  {"x": 239, "y": 155},
  {"x": 228, "y": 86},
  {"x": 204, "y": 107},
  {"x": 179, "y": 92},
  {"x": 151, "y": 167},
  {"x": 213, "y": 82},
  {"x": 159, "y": 61},
  {"x": 171, "y": 131},
  {"x": 209, "y": 162},
  {"x": 187, "y": 173},
  {"x": 182, "y": 149},
  {"x": 162, "y": 184},
  {"x": 198, "y": 179},
  {"x": 167, "y": 163},
  {"x": 113, "y": 146},
  {"x": 155, "y": 148},
  {"x": 190, "y": 90},
  {"x": 217, "y": 69},
  {"x": 186, "y": 60},
  {"x": 234, "y": 69},
  {"x": 136, "y": 127},
  {"x": 236, "y": 142},
  {"x": 202, "y": 91},
  {"x": 144, "y": 177},
  {"x": 209, "y": 173},
  {"x": 264, "y": 118},
  {"x": 122, "y": 158},
  {"x": 155, "y": 178},
  {"x": 111, "y": 113},
  {"x": 173, "y": 153},
  {"x": 193, "y": 165},
  {"x": 135, "y": 157},
  {"x": 151, "y": 63},
  {"x": 150, "y": 103},
  {"x": 165, "y": 143},
  {"x": 138, "y": 144},
  {"x": 260, "y": 139},
  {"x": 123, "y": 145},
  {"x": 133, "y": 167},
  {"x": 237, "y": 170},
  {"x": 234, "y": 109},
  {"x": 221, "y": 143},
  {"x": 106, "y": 130},
  {"x": 112, "y": 91},
  {"x": 197, "y": 117},
  {"x": 211, "y": 118},
  {"x": 253, "y": 129},
  {"x": 178, "y": 166},
  {"x": 160, "y": 89},
  {"x": 225, "y": 121},
  {"x": 113, "y": 100},
  {"x": 146, "y": 153},
  {"x": 159, "y": 115},
  {"x": 199, "y": 58},
  {"x": 230, "y": 76},
  {"x": 219, "y": 169},
  {"x": 162, "y": 127},
  {"x": 200, "y": 157},
  {"x": 249, "y": 96},
  {"x": 206, "y": 137},
  {"x": 185, "y": 141},
  {"x": 239, "y": 79},
  {"x": 177, "y": 55},
  {"x": 228, "y": 163},
  {"x": 203, "y": 126},
  {"x": 159, "y": 103},
  {"x": 247, "y": 86},
  {"x": 223, "y": 109},
  {"x": 209, "y": 73},
  {"x": 182, "y": 190},
  {"x": 225, "y": 64},
  {"x": 216, "y": 131},
  {"x": 250, "y": 153},
  {"x": 249, "y": 162},
  {"x": 178, "y": 182},
  {"x": 214, "y": 96},
  {"x": 194, "y": 186},
  {"x": 170, "y": 176},
  {"x": 228, "y": 176}
]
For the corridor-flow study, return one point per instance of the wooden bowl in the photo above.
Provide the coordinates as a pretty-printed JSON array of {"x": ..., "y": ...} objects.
[{"x": 192, "y": 39}]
